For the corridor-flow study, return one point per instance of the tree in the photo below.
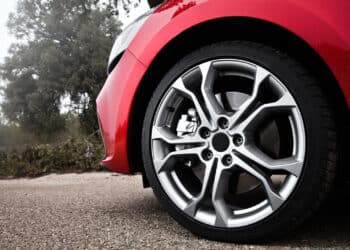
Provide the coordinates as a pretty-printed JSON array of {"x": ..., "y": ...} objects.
[{"x": 62, "y": 50}]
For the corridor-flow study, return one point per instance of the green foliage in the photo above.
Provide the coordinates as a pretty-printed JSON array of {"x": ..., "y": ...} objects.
[
  {"x": 62, "y": 50},
  {"x": 73, "y": 155},
  {"x": 13, "y": 137}
]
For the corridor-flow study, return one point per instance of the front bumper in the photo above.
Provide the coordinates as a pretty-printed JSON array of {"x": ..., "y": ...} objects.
[{"x": 113, "y": 108}]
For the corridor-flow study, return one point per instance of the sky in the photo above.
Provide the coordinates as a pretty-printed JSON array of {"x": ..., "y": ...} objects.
[
  {"x": 141, "y": 8},
  {"x": 5, "y": 39}
]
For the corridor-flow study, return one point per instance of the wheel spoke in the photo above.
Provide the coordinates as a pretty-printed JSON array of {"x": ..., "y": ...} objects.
[
  {"x": 165, "y": 163},
  {"x": 290, "y": 164},
  {"x": 166, "y": 135},
  {"x": 214, "y": 185},
  {"x": 274, "y": 198},
  {"x": 260, "y": 75},
  {"x": 208, "y": 179},
  {"x": 285, "y": 103},
  {"x": 203, "y": 98},
  {"x": 220, "y": 185},
  {"x": 200, "y": 108},
  {"x": 212, "y": 104}
]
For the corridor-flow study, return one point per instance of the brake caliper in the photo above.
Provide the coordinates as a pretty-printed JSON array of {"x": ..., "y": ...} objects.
[
  {"x": 187, "y": 126},
  {"x": 188, "y": 123}
]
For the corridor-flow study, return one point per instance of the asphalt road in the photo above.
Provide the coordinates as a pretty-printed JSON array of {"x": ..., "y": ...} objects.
[{"x": 102, "y": 210}]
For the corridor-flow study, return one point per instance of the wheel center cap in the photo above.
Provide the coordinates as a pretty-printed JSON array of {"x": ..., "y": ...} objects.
[{"x": 220, "y": 142}]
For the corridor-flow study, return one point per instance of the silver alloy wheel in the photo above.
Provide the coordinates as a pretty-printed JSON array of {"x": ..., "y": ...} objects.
[{"x": 206, "y": 134}]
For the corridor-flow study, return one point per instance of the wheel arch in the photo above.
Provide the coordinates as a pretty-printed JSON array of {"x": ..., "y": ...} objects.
[{"x": 249, "y": 29}]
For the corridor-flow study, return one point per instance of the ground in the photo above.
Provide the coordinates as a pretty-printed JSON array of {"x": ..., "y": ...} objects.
[{"x": 104, "y": 210}]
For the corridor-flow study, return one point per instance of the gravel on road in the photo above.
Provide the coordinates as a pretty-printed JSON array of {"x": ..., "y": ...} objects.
[{"x": 105, "y": 210}]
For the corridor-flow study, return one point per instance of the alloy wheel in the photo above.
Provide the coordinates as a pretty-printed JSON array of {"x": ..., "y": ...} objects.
[{"x": 228, "y": 143}]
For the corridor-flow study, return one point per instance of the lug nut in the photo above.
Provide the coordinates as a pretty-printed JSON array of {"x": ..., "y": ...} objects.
[
  {"x": 238, "y": 140},
  {"x": 227, "y": 160},
  {"x": 204, "y": 133},
  {"x": 207, "y": 154},
  {"x": 223, "y": 123}
]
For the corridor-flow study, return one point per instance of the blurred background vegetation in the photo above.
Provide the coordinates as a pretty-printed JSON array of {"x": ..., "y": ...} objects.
[{"x": 52, "y": 75}]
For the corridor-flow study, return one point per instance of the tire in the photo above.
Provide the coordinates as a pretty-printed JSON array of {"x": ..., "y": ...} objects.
[{"x": 319, "y": 156}]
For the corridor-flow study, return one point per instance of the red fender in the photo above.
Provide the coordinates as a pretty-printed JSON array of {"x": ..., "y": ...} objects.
[{"x": 322, "y": 24}]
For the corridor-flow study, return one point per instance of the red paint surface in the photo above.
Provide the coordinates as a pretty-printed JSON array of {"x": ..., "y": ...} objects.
[
  {"x": 323, "y": 24},
  {"x": 113, "y": 108}
]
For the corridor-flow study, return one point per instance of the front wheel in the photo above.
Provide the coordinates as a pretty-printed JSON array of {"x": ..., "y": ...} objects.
[{"x": 238, "y": 142}]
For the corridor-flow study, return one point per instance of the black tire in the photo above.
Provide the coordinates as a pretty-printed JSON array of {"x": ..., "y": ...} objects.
[{"x": 321, "y": 142}]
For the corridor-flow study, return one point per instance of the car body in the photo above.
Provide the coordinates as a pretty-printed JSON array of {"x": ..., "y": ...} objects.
[
  {"x": 324, "y": 30},
  {"x": 314, "y": 32}
]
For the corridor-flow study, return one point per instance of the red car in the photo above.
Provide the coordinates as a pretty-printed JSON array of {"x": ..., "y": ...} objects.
[{"x": 234, "y": 112}]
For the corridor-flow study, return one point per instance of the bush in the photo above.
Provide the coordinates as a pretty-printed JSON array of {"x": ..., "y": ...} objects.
[
  {"x": 73, "y": 155},
  {"x": 13, "y": 137}
]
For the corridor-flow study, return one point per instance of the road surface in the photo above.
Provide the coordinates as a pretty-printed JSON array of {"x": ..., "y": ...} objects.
[{"x": 104, "y": 210}]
